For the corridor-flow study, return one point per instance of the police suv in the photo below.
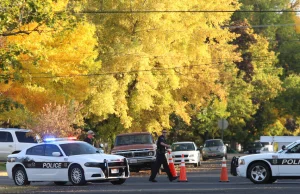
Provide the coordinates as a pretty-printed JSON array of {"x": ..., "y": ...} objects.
[
  {"x": 61, "y": 161},
  {"x": 268, "y": 167}
]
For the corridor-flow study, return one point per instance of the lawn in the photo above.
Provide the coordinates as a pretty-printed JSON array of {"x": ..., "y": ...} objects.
[
  {"x": 16, "y": 189},
  {"x": 2, "y": 166}
]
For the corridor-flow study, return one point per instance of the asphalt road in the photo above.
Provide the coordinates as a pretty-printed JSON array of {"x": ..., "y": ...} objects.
[{"x": 200, "y": 180}]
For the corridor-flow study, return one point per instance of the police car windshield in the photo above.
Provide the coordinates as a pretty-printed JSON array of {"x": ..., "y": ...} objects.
[
  {"x": 288, "y": 147},
  {"x": 71, "y": 149}
]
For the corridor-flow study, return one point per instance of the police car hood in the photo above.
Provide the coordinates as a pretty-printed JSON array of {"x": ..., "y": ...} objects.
[
  {"x": 95, "y": 158},
  {"x": 259, "y": 156}
]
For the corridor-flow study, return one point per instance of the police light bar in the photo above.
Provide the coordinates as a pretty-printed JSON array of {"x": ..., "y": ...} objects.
[{"x": 49, "y": 139}]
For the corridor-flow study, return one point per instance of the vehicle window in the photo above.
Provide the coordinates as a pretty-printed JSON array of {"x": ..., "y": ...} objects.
[
  {"x": 254, "y": 145},
  {"x": 50, "y": 148},
  {"x": 133, "y": 139},
  {"x": 183, "y": 147},
  {"x": 289, "y": 146},
  {"x": 5, "y": 136},
  {"x": 71, "y": 149},
  {"x": 213, "y": 143},
  {"x": 23, "y": 137},
  {"x": 295, "y": 149},
  {"x": 36, "y": 150}
]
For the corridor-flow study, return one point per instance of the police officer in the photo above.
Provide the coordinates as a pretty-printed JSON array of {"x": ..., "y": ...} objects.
[
  {"x": 90, "y": 136},
  {"x": 161, "y": 158}
]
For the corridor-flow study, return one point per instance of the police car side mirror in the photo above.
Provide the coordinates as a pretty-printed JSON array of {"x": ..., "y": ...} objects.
[{"x": 56, "y": 154}]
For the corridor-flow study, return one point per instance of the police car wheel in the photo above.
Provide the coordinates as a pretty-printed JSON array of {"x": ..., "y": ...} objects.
[
  {"x": 259, "y": 173},
  {"x": 118, "y": 182},
  {"x": 20, "y": 177},
  {"x": 76, "y": 175},
  {"x": 60, "y": 182},
  {"x": 272, "y": 180}
]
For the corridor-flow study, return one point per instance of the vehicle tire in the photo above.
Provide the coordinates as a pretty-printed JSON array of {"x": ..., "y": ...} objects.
[
  {"x": 20, "y": 177},
  {"x": 272, "y": 180},
  {"x": 204, "y": 159},
  {"x": 196, "y": 164},
  {"x": 76, "y": 175},
  {"x": 118, "y": 182},
  {"x": 259, "y": 173},
  {"x": 135, "y": 170},
  {"x": 60, "y": 183}
]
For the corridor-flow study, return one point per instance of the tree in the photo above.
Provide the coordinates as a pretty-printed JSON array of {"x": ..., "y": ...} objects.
[
  {"x": 58, "y": 121},
  {"x": 160, "y": 63},
  {"x": 45, "y": 58},
  {"x": 259, "y": 85}
]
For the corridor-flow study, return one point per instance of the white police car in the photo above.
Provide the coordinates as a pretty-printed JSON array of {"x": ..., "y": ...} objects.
[
  {"x": 268, "y": 167},
  {"x": 63, "y": 161}
]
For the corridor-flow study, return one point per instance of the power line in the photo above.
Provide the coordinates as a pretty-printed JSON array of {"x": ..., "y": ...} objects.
[{"x": 145, "y": 70}]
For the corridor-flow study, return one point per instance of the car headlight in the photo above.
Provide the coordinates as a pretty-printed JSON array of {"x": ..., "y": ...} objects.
[
  {"x": 241, "y": 161},
  {"x": 11, "y": 159},
  {"x": 92, "y": 164},
  {"x": 192, "y": 155},
  {"x": 151, "y": 153}
]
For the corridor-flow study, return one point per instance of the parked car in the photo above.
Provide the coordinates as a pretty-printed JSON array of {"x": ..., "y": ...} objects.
[
  {"x": 189, "y": 150},
  {"x": 214, "y": 148},
  {"x": 13, "y": 140},
  {"x": 253, "y": 148},
  {"x": 138, "y": 148}
]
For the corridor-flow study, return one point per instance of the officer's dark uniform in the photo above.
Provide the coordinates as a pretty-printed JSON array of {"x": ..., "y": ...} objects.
[
  {"x": 160, "y": 159},
  {"x": 88, "y": 140}
]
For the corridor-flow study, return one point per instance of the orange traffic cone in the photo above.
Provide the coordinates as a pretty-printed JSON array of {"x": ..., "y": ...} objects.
[
  {"x": 182, "y": 177},
  {"x": 172, "y": 166},
  {"x": 224, "y": 174}
]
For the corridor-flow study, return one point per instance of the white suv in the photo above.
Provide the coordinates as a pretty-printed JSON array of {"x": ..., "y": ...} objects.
[{"x": 13, "y": 141}]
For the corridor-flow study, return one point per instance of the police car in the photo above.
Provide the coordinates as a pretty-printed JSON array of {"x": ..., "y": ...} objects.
[
  {"x": 65, "y": 160},
  {"x": 268, "y": 167}
]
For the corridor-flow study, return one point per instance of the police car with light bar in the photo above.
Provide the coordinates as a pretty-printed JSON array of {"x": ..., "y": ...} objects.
[
  {"x": 268, "y": 167},
  {"x": 65, "y": 160}
]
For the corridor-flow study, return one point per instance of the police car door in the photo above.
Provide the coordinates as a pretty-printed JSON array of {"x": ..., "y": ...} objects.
[
  {"x": 33, "y": 163},
  {"x": 290, "y": 162},
  {"x": 54, "y": 166}
]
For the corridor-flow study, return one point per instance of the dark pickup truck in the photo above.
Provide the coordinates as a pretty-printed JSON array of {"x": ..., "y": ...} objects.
[
  {"x": 253, "y": 148},
  {"x": 138, "y": 148}
]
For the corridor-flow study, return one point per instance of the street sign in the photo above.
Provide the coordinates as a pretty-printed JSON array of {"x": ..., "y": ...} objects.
[{"x": 222, "y": 124}]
